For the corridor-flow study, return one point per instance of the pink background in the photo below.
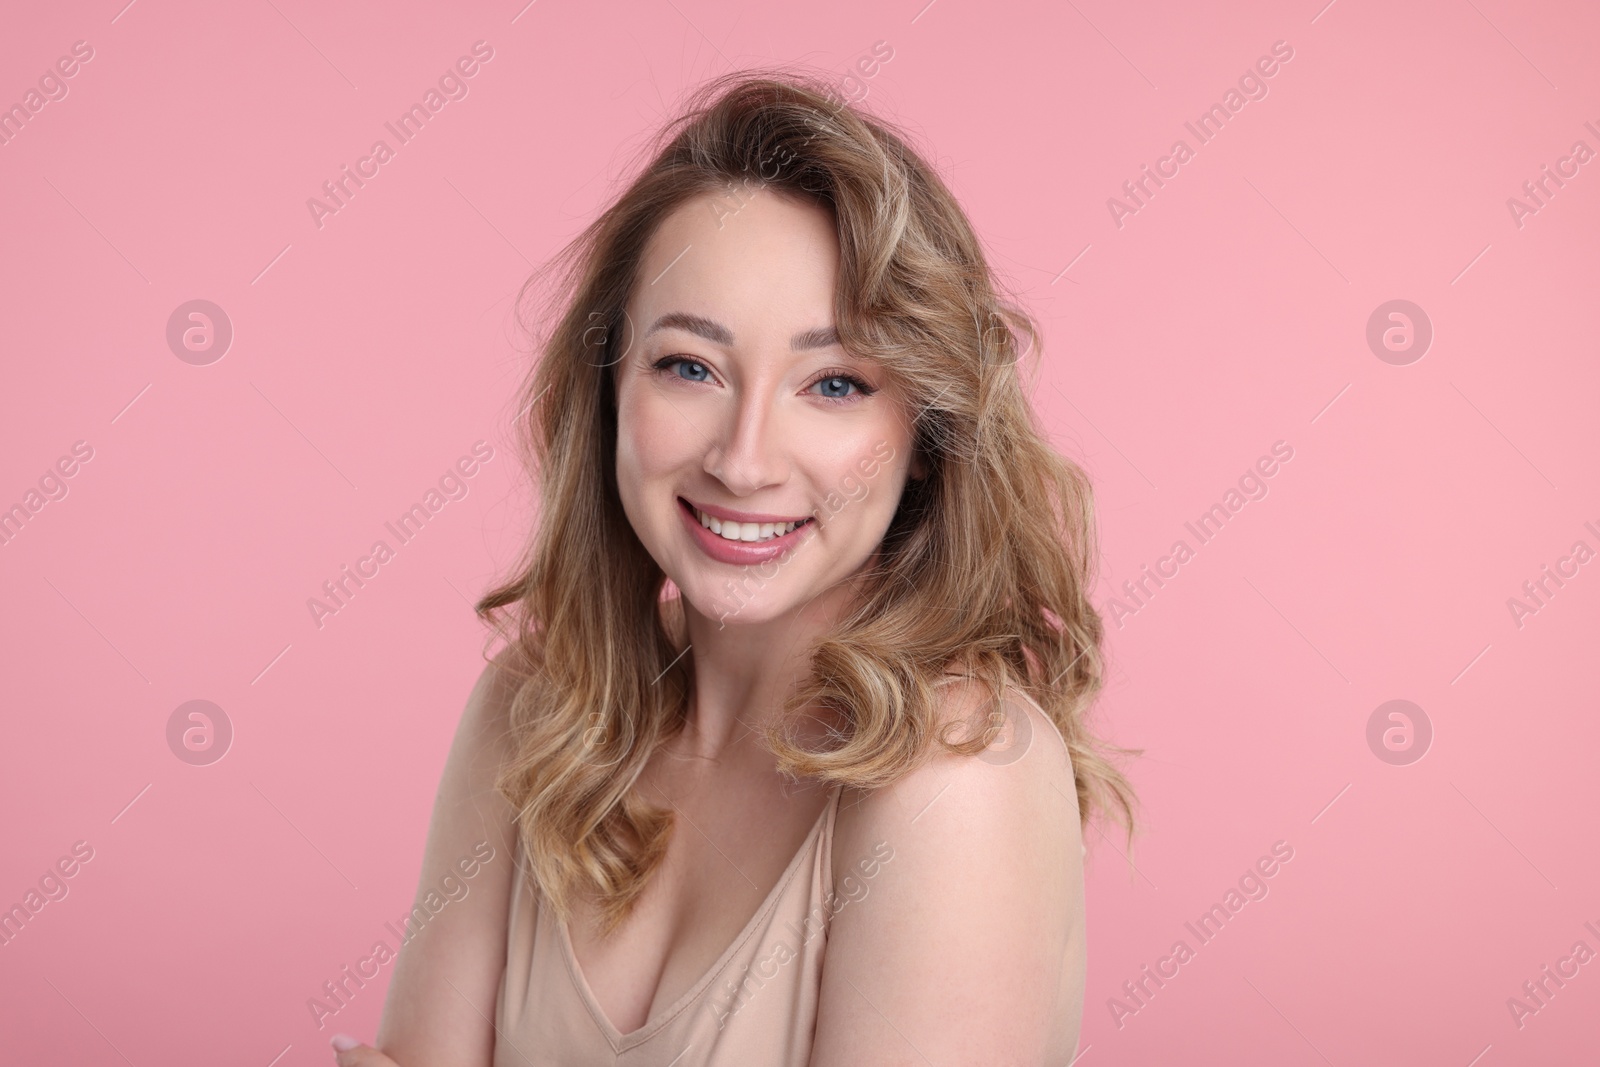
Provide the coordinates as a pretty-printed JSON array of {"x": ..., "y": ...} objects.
[{"x": 1229, "y": 313}]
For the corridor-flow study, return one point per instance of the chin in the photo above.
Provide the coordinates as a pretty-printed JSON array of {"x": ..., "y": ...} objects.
[{"x": 739, "y": 598}]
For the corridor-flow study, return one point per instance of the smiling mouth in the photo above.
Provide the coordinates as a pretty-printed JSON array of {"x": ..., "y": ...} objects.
[{"x": 744, "y": 532}]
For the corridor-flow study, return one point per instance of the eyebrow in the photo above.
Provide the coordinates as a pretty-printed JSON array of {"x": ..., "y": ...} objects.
[{"x": 711, "y": 330}]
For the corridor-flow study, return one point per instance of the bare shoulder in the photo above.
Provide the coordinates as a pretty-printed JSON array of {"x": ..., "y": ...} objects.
[
  {"x": 482, "y": 740},
  {"x": 489, "y": 703},
  {"x": 976, "y": 859},
  {"x": 1025, "y": 771},
  {"x": 443, "y": 992}
]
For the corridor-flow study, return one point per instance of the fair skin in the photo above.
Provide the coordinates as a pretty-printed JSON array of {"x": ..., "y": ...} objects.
[{"x": 734, "y": 400}]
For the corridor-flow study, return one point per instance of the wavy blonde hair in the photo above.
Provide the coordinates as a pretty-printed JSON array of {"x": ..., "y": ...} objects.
[{"x": 987, "y": 563}]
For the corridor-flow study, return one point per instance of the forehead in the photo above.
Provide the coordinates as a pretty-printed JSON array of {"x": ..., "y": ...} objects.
[{"x": 752, "y": 258}]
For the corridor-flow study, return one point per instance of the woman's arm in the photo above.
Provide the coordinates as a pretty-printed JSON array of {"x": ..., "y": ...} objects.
[
  {"x": 441, "y": 1002},
  {"x": 965, "y": 945}
]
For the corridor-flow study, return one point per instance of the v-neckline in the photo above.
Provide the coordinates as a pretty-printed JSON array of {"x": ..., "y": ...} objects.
[{"x": 620, "y": 1041}]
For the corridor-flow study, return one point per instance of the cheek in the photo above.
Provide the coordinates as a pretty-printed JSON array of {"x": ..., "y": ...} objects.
[
  {"x": 647, "y": 446},
  {"x": 649, "y": 430},
  {"x": 860, "y": 489},
  {"x": 883, "y": 499}
]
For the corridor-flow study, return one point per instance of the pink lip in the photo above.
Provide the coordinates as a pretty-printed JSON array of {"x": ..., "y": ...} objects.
[
  {"x": 723, "y": 550},
  {"x": 728, "y": 515}
]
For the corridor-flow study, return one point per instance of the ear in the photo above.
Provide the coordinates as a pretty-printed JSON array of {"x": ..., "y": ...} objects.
[{"x": 919, "y": 466}]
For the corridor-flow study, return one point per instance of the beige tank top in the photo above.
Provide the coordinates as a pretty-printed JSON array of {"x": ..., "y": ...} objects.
[{"x": 757, "y": 1005}]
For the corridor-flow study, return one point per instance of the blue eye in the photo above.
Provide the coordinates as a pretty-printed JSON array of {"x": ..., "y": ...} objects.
[
  {"x": 682, "y": 367},
  {"x": 837, "y": 387}
]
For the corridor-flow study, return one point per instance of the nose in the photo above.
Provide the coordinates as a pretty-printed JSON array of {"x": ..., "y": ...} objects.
[{"x": 748, "y": 451}]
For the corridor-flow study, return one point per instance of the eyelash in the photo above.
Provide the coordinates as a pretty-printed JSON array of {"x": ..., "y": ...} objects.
[{"x": 863, "y": 390}]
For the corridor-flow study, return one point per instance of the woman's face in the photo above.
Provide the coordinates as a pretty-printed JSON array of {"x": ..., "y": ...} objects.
[{"x": 758, "y": 461}]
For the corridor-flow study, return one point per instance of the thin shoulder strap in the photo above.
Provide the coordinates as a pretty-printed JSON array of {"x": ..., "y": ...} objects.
[{"x": 830, "y": 817}]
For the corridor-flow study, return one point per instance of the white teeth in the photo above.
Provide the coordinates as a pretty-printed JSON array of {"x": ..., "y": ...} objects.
[{"x": 744, "y": 531}]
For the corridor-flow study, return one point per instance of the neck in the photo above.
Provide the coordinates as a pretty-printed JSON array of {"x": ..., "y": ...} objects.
[{"x": 744, "y": 673}]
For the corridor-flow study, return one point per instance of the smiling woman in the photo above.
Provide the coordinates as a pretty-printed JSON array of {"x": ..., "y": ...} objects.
[{"x": 810, "y": 422}]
